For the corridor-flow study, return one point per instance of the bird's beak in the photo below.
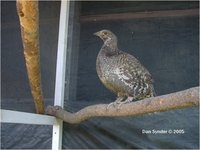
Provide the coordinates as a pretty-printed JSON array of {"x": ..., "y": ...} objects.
[{"x": 97, "y": 33}]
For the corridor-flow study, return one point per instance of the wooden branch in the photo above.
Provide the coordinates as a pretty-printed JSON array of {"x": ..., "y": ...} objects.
[
  {"x": 28, "y": 16},
  {"x": 178, "y": 100},
  {"x": 140, "y": 15}
]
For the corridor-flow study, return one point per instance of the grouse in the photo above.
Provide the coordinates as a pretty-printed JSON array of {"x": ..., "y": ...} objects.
[{"x": 121, "y": 72}]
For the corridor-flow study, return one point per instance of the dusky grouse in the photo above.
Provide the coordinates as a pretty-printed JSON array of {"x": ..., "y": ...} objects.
[{"x": 121, "y": 72}]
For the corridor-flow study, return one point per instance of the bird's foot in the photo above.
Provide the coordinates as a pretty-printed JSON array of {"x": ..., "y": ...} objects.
[
  {"x": 111, "y": 104},
  {"x": 116, "y": 102},
  {"x": 128, "y": 100}
]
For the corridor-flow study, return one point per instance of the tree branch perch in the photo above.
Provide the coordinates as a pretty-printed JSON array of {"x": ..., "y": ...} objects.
[{"x": 177, "y": 100}]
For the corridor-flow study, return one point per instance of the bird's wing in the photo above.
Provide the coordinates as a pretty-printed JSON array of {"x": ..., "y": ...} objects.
[
  {"x": 132, "y": 69},
  {"x": 131, "y": 75}
]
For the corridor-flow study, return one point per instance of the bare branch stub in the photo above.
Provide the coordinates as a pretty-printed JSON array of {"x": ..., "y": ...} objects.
[{"x": 177, "y": 100}]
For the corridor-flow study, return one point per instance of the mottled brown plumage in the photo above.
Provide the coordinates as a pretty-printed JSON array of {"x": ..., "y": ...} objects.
[{"x": 121, "y": 72}]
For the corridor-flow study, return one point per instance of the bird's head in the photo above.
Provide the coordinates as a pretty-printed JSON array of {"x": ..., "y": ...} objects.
[{"x": 107, "y": 36}]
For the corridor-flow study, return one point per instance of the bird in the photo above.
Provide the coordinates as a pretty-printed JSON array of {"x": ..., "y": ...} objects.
[{"x": 121, "y": 72}]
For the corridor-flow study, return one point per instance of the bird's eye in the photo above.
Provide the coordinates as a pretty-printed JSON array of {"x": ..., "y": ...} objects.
[{"x": 105, "y": 33}]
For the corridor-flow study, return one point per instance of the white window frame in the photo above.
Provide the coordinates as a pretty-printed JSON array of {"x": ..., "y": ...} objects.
[{"x": 8, "y": 116}]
